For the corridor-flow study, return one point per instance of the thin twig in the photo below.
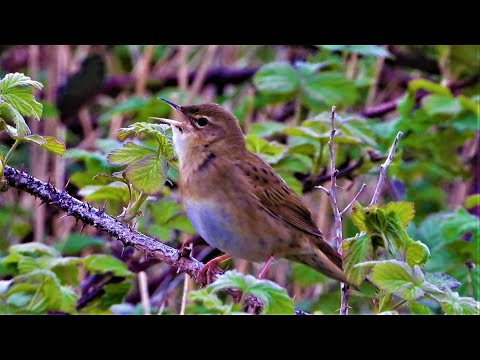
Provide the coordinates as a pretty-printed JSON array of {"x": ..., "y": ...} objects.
[
  {"x": 186, "y": 283},
  {"x": 384, "y": 168},
  {"x": 143, "y": 70},
  {"x": 354, "y": 199},
  {"x": 143, "y": 285},
  {"x": 337, "y": 215}
]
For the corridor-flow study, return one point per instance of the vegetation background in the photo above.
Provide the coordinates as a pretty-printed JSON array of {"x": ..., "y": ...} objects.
[{"x": 282, "y": 96}]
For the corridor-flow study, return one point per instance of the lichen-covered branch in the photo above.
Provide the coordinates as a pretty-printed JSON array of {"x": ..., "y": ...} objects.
[{"x": 103, "y": 222}]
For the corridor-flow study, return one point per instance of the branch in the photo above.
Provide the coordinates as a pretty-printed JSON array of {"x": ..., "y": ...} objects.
[
  {"x": 103, "y": 222},
  {"x": 310, "y": 183},
  {"x": 384, "y": 168}
]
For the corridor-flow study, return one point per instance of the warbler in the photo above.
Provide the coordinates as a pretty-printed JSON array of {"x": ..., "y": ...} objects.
[{"x": 237, "y": 202}]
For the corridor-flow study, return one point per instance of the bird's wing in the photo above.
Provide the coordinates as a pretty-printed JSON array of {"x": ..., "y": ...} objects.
[{"x": 275, "y": 196}]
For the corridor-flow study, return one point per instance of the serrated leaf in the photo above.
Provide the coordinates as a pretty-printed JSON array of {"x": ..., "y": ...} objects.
[
  {"x": 129, "y": 153},
  {"x": 453, "y": 304},
  {"x": 232, "y": 279},
  {"x": 210, "y": 301},
  {"x": 404, "y": 210},
  {"x": 442, "y": 281},
  {"x": 100, "y": 264},
  {"x": 278, "y": 78},
  {"x": 143, "y": 128},
  {"x": 274, "y": 297},
  {"x": 397, "y": 277},
  {"x": 417, "y": 253},
  {"x": 34, "y": 249},
  {"x": 14, "y": 90},
  {"x": 356, "y": 250},
  {"x": 47, "y": 142},
  {"x": 147, "y": 175}
]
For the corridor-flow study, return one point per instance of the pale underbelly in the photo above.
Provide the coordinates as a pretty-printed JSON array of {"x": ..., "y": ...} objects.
[{"x": 228, "y": 232}]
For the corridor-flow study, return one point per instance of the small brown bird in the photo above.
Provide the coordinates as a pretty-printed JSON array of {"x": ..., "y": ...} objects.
[{"x": 237, "y": 202}]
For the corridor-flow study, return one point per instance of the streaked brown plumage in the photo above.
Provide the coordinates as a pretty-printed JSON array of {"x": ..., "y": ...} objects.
[{"x": 236, "y": 201}]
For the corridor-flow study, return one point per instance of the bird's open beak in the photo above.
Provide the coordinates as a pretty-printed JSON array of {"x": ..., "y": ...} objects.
[{"x": 170, "y": 121}]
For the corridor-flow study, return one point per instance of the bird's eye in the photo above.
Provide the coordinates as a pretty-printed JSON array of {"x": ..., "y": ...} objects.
[{"x": 202, "y": 121}]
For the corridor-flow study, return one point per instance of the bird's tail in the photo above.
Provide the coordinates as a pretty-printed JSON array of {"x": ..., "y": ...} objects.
[{"x": 323, "y": 258}]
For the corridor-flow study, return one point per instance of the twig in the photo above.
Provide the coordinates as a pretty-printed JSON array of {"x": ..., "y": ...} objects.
[
  {"x": 354, "y": 199},
  {"x": 186, "y": 283},
  {"x": 142, "y": 70},
  {"x": 337, "y": 215},
  {"x": 143, "y": 285},
  {"x": 384, "y": 168},
  {"x": 103, "y": 222}
]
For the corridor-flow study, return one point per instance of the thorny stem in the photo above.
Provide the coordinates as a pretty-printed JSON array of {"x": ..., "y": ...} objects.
[{"x": 103, "y": 222}]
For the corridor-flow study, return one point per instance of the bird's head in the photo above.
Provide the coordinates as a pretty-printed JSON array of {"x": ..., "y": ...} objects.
[{"x": 204, "y": 126}]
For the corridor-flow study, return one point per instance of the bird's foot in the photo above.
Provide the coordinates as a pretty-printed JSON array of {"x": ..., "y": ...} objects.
[
  {"x": 187, "y": 246},
  {"x": 206, "y": 275},
  {"x": 265, "y": 268}
]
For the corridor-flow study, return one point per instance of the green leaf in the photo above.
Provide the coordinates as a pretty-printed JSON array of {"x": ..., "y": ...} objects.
[
  {"x": 459, "y": 223},
  {"x": 417, "y": 253},
  {"x": 129, "y": 154},
  {"x": 442, "y": 281},
  {"x": 453, "y": 304},
  {"x": 147, "y": 175},
  {"x": 357, "y": 250},
  {"x": 114, "y": 191},
  {"x": 209, "y": 301},
  {"x": 181, "y": 222},
  {"x": 397, "y": 277},
  {"x": 14, "y": 91},
  {"x": 441, "y": 104},
  {"x": 100, "y": 264},
  {"x": 34, "y": 249},
  {"x": 232, "y": 279},
  {"x": 115, "y": 293},
  {"x": 366, "y": 50},
  {"x": 47, "y": 142},
  {"x": 358, "y": 216},
  {"x": 156, "y": 131},
  {"x": 472, "y": 201},
  {"x": 329, "y": 89},
  {"x": 21, "y": 127},
  {"x": 305, "y": 276},
  {"x": 164, "y": 210},
  {"x": 68, "y": 300},
  {"x": 76, "y": 243},
  {"x": 277, "y": 78},
  {"x": 404, "y": 210},
  {"x": 417, "y": 308},
  {"x": 42, "y": 288},
  {"x": 274, "y": 297}
]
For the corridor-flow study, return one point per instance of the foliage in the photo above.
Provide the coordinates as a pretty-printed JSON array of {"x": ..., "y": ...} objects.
[{"x": 418, "y": 251}]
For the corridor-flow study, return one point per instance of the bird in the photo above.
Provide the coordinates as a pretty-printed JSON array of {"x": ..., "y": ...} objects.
[{"x": 237, "y": 202}]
